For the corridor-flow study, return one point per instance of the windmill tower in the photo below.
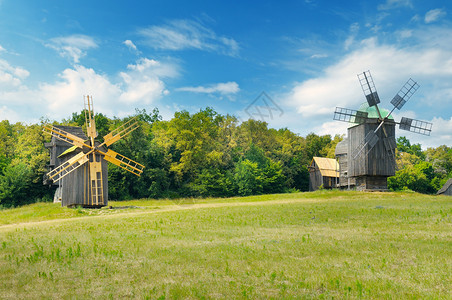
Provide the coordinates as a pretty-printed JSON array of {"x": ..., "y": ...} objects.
[
  {"x": 81, "y": 170},
  {"x": 371, "y": 135}
]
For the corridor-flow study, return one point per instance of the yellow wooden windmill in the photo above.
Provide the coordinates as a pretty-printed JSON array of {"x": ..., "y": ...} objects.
[{"x": 82, "y": 173}]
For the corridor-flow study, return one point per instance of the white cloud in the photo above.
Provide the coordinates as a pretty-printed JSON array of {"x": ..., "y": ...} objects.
[
  {"x": 390, "y": 66},
  {"x": 2, "y": 49},
  {"x": 8, "y": 114},
  {"x": 434, "y": 15},
  {"x": 130, "y": 44},
  {"x": 141, "y": 84},
  {"x": 428, "y": 60},
  {"x": 391, "y": 4},
  {"x": 73, "y": 47},
  {"x": 222, "y": 88},
  {"x": 65, "y": 96},
  {"x": 132, "y": 47},
  {"x": 354, "y": 28},
  {"x": 11, "y": 77},
  {"x": 187, "y": 34},
  {"x": 441, "y": 133}
]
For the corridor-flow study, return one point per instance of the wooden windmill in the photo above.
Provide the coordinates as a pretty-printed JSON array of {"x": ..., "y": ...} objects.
[
  {"x": 371, "y": 136},
  {"x": 82, "y": 170}
]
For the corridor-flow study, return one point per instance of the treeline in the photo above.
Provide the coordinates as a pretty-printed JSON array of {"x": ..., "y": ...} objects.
[
  {"x": 421, "y": 171},
  {"x": 204, "y": 154}
]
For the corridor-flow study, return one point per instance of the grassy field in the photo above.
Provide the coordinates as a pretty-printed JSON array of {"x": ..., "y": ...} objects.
[{"x": 327, "y": 244}]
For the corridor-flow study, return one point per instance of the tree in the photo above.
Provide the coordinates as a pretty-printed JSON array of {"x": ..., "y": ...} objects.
[
  {"x": 248, "y": 178},
  {"x": 15, "y": 185},
  {"x": 315, "y": 144},
  {"x": 404, "y": 145}
]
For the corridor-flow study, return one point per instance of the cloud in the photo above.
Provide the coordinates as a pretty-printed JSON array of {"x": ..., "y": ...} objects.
[
  {"x": 187, "y": 34},
  {"x": 392, "y": 4},
  {"x": 424, "y": 54},
  {"x": 441, "y": 133},
  {"x": 65, "y": 95},
  {"x": 140, "y": 84},
  {"x": 2, "y": 49},
  {"x": 11, "y": 77},
  {"x": 390, "y": 65},
  {"x": 354, "y": 28},
  {"x": 222, "y": 88},
  {"x": 73, "y": 47},
  {"x": 8, "y": 114},
  {"x": 131, "y": 46},
  {"x": 434, "y": 15}
]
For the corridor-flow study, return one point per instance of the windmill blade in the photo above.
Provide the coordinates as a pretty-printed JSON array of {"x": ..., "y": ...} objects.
[
  {"x": 120, "y": 132},
  {"x": 95, "y": 180},
  {"x": 65, "y": 136},
  {"x": 350, "y": 115},
  {"x": 416, "y": 126},
  {"x": 368, "y": 87},
  {"x": 123, "y": 162},
  {"x": 405, "y": 93},
  {"x": 390, "y": 143},
  {"x": 68, "y": 166},
  {"x": 370, "y": 140},
  {"x": 89, "y": 118},
  {"x": 390, "y": 146}
]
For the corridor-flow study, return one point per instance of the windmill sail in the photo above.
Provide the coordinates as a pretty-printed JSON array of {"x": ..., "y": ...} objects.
[
  {"x": 350, "y": 115},
  {"x": 368, "y": 87},
  {"x": 417, "y": 126},
  {"x": 405, "y": 93},
  {"x": 121, "y": 132}
]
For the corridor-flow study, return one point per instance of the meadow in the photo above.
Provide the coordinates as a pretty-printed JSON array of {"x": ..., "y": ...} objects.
[{"x": 325, "y": 244}]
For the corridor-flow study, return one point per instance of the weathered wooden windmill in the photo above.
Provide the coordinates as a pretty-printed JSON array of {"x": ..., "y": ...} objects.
[
  {"x": 371, "y": 135},
  {"x": 81, "y": 170}
]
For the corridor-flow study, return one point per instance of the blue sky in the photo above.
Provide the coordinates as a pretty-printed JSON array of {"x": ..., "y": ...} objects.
[{"x": 174, "y": 55}]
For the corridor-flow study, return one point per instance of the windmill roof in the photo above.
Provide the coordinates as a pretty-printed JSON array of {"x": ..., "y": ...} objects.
[
  {"x": 341, "y": 147},
  {"x": 445, "y": 187},
  {"x": 328, "y": 167},
  {"x": 373, "y": 113},
  {"x": 75, "y": 130}
]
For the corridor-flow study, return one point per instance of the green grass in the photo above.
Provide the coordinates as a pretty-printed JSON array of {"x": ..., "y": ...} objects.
[{"x": 327, "y": 244}]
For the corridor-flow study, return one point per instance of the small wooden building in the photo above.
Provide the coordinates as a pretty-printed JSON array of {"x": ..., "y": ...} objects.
[
  {"x": 446, "y": 189},
  {"x": 323, "y": 172},
  {"x": 341, "y": 154}
]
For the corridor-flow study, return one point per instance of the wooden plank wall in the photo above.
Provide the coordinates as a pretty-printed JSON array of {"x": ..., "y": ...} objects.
[
  {"x": 75, "y": 185},
  {"x": 377, "y": 162}
]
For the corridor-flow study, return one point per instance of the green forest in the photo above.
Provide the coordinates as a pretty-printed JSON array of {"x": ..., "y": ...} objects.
[{"x": 205, "y": 154}]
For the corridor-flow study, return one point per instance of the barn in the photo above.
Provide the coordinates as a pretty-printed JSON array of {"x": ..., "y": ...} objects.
[
  {"x": 323, "y": 172},
  {"x": 446, "y": 189}
]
